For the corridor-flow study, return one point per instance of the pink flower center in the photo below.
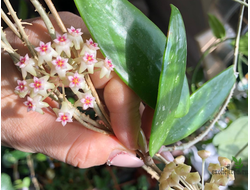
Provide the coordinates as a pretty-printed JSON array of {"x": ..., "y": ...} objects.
[
  {"x": 89, "y": 58},
  {"x": 75, "y": 80},
  {"x": 110, "y": 64},
  {"x": 44, "y": 48},
  {"x": 64, "y": 117},
  {"x": 88, "y": 100},
  {"x": 37, "y": 84},
  {"x": 60, "y": 63},
  {"x": 62, "y": 38},
  {"x": 30, "y": 105},
  {"x": 22, "y": 61},
  {"x": 21, "y": 86}
]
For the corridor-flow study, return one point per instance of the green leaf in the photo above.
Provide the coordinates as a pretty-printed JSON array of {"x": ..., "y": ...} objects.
[
  {"x": 171, "y": 81},
  {"x": 19, "y": 154},
  {"x": 233, "y": 138},
  {"x": 216, "y": 26},
  {"x": 26, "y": 182},
  {"x": 6, "y": 183},
  {"x": 183, "y": 106},
  {"x": 130, "y": 39},
  {"x": 204, "y": 103},
  {"x": 243, "y": 44}
]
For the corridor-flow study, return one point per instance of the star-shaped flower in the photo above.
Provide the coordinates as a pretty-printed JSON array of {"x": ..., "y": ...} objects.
[
  {"x": 26, "y": 65},
  {"x": 45, "y": 53},
  {"x": 22, "y": 89},
  {"x": 61, "y": 66},
  {"x": 75, "y": 37},
  {"x": 85, "y": 100},
  {"x": 35, "y": 104},
  {"x": 40, "y": 86},
  {"x": 77, "y": 82},
  {"x": 106, "y": 66},
  {"x": 89, "y": 47},
  {"x": 64, "y": 114},
  {"x": 87, "y": 62},
  {"x": 62, "y": 43}
]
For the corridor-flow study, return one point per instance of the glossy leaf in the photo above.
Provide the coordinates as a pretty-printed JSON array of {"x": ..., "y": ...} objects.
[
  {"x": 183, "y": 106},
  {"x": 231, "y": 140},
  {"x": 171, "y": 81},
  {"x": 216, "y": 26},
  {"x": 204, "y": 103},
  {"x": 130, "y": 39}
]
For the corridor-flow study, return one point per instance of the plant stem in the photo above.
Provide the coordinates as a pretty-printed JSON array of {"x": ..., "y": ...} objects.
[
  {"x": 241, "y": 2},
  {"x": 24, "y": 36},
  {"x": 193, "y": 86},
  {"x": 151, "y": 172},
  {"x": 32, "y": 172},
  {"x": 202, "y": 175},
  {"x": 45, "y": 18},
  {"x": 15, "y": 56},
  {"x": 56, "y": 15},
  {"x": 9, "y": 23},
  {"x": 237, "y": 40}
]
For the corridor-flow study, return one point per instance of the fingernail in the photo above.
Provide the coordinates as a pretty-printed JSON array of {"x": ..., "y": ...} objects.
[
  {"x": 166, "y": 154},
  {"x": 124, "y": 159}
]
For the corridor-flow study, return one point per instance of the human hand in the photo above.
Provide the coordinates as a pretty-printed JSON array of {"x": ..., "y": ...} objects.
[{"x": 73, "y": 144}]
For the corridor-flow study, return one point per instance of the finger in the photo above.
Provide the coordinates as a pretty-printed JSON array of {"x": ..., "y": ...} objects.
[{"x": 123, "y": 105}]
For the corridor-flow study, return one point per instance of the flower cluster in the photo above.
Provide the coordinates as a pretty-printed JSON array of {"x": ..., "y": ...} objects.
[
  {"x": 61, "y": 63},
  {"x": 176, "y": 172}
]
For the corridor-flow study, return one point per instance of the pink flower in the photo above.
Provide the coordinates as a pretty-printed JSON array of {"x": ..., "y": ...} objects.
[
  {"x": 92, "y": 45},
  {"x": 74, "y": 32},
  {"x": 88, "y": 62},
  {"x": 60, "y": 63},
  {"x": 75, "y": 37},
  {"x": 46, "y": 52},
  {"x": 43, "y": 48},
  {"x": 64, "y": 114},
  {"x": 40, "y": 86},
  {"x": 37, "y": 84},
  {"x": 106, "y": 66},
  {"x": 62, "y": 43},
  {"x": 77, "y": 82},
  {"x": 35, "y": 104},
  {"x": 64, "y": 118},
  {"x": 86, "y": 100},
  {"x": 22, "y": 88},
  {"x": 61, "y": 66},
  {"x": 26, "y": 65}
]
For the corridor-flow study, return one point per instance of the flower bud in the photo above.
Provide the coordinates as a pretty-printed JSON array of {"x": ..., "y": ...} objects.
[
  {"x": 204, "y": 154},
  {"x": 220, "y": 180},
  {"x": 212, "y": 167},
  {"x": 169, "y": 167},
  {"x": 224, "y": 161},
  {"x": 211, "y": 186},
  {"x": 182, "y": 169},
  {"x": 193, "y": 178},
  {"x": 180, "y": 159},
  {"x": 164, "y": 185},
  {"x": 173, "y": 179}
]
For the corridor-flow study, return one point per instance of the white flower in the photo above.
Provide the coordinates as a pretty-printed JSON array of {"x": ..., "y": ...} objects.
[
  {"x": 46, "y": 52},
  {"x": 77, "y": 82},
  {"x": 90, "y": 47},
  {"x": 26, "y": 65},
  {"x": 62, "y": 43},
  {"x": 106, "y": 66},
  {"x": 87, "y": 62},
  {"x": 35, "y": 104},
  {"x": 22, "y": 89},
  {"x": 64, "y": 114},
  {"x": 75, "y": 37},
  {"x": 85, "y": 100},
  {"x": 61, "y": 66},
  {"x": 40, "y": 86}
]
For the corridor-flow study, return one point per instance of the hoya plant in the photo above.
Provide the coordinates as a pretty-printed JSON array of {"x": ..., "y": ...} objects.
[{"x": 151, "y": 64}]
